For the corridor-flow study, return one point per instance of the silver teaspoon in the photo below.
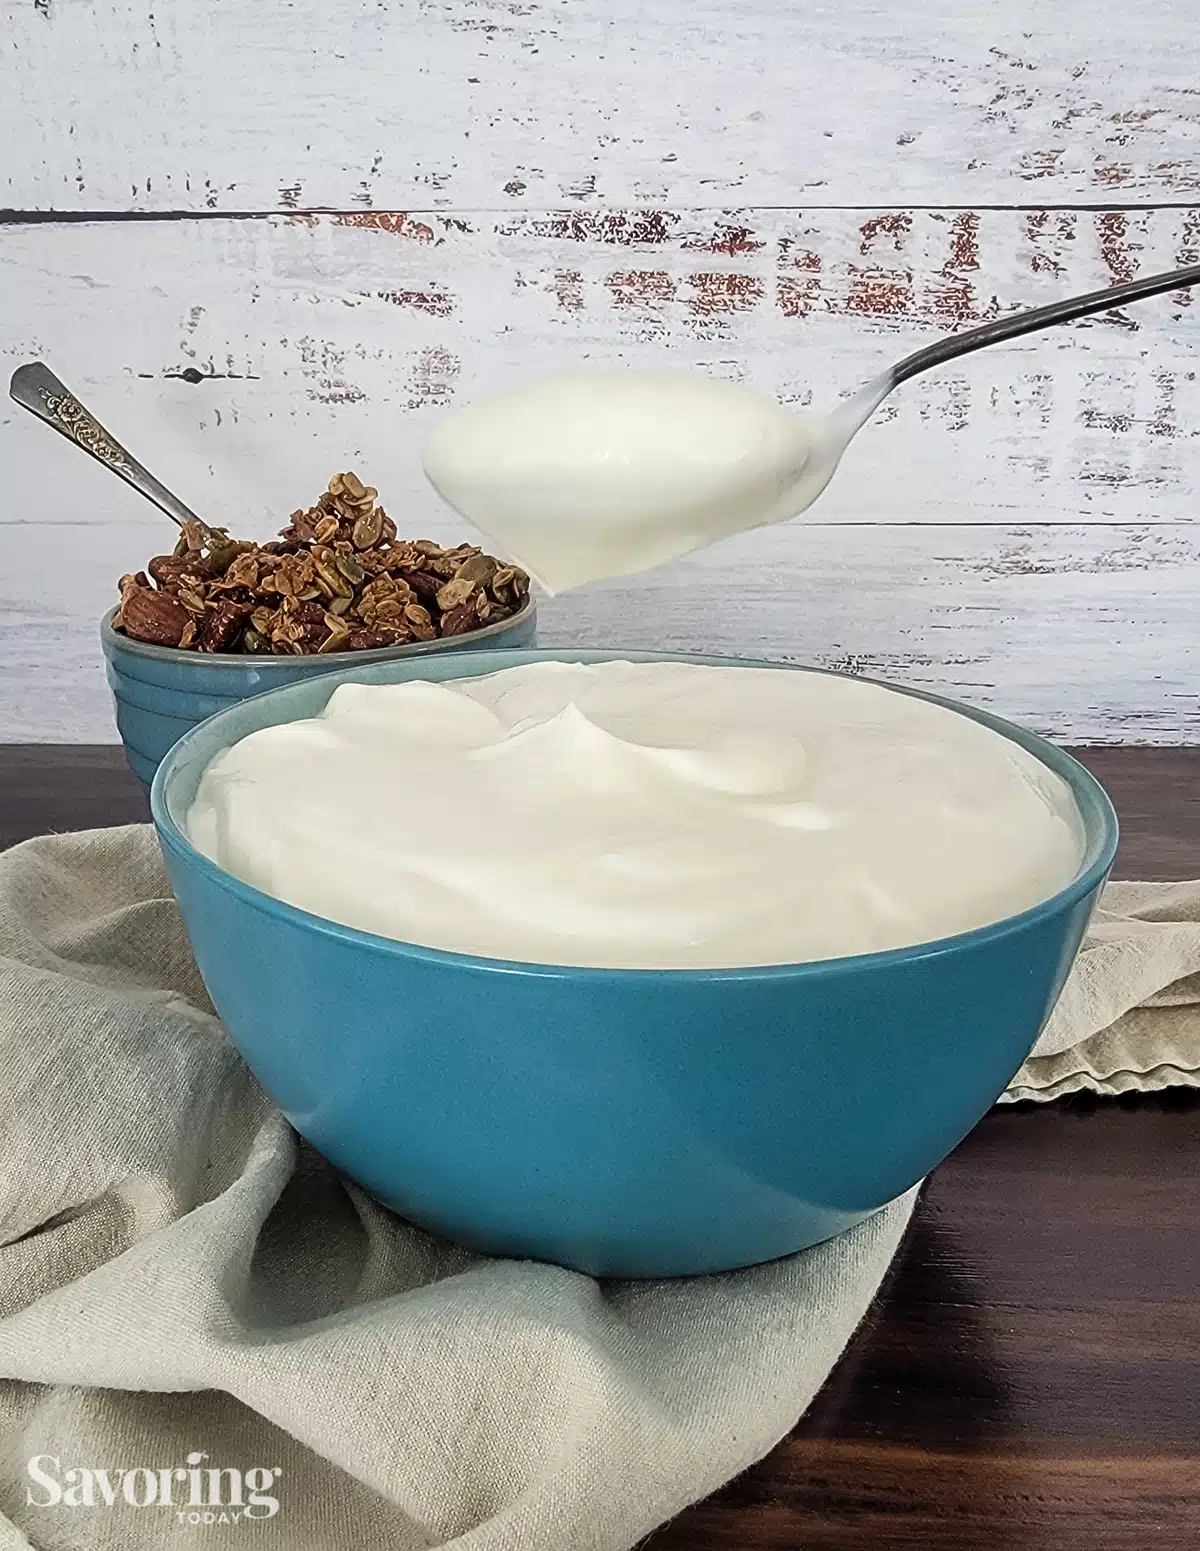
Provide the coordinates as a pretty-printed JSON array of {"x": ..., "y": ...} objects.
[
  {"x": 589, "y": 475},
  {"x": 36, "y": 388}
]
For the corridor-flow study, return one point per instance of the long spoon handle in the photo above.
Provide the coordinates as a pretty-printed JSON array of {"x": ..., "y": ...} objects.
[
  {"x": 36, "y": 388},
  {"x": 954, "y": 345}
]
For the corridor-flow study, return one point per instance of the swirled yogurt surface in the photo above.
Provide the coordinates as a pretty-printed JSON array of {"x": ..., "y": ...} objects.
[{"x": 641, "y": 815}]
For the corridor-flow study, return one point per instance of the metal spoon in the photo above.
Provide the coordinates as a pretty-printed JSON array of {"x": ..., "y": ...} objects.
[
  {"x": 856, "y": 410},
  {"x": 639, "y": 490},
  {"x": 848, "y": 418},
  {"x": 36, "y": 388}
]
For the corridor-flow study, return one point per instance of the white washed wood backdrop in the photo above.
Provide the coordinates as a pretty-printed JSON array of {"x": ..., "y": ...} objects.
[{"x": 346, "y": 217}]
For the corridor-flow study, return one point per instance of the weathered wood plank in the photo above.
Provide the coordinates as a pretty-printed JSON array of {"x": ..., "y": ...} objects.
[
  {"x": 340, "y": 340},
  {"x": 466, "y": 104},
  {"x": 1088, "y": 634},
  {"x": 1050, "y": 568}
]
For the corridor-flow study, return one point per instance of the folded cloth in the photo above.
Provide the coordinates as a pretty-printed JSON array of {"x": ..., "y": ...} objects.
[
  {"x": 358, "y": 1381},
  {"x": 1128, "y": 1019}
]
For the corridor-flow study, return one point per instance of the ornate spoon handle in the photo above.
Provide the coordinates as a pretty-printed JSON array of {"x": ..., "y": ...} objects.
[{"x": 37, "y": 389}]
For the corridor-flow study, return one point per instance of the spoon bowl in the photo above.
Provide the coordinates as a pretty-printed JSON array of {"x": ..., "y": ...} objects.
[{"x": 583, "y": 470}]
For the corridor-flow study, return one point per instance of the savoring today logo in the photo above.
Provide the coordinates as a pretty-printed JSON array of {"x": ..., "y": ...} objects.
[{"x": 195, "y": 1493}]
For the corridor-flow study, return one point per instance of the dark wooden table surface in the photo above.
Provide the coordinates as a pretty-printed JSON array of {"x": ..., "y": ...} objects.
[{"x": 1029, "y": 1378}]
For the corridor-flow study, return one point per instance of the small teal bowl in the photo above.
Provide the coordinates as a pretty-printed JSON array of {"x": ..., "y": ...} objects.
[
  {"x": 160, "y": 692},
  {"x": 619, "y": 1122}
]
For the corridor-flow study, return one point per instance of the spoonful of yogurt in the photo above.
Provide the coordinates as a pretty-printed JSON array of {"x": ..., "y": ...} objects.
[{"x": 591, "y": 474}]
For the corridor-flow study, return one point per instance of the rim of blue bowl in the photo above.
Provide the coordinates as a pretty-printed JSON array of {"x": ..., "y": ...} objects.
[
  {"x": 331, "y": 662},
  {"x": 1077, "y": 776}
]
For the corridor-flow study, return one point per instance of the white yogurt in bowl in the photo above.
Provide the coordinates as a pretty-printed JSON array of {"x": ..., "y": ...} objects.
[{"x": 650, "y": 815}]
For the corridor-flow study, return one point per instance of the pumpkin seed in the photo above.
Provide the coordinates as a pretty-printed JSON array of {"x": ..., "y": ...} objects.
[
  {"x": 478, "y": 568},
  {"x": 367, "y": 529}
]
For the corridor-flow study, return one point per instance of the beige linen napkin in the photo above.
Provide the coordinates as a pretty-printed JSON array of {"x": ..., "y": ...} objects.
[{"x": 360, "y": 1383}]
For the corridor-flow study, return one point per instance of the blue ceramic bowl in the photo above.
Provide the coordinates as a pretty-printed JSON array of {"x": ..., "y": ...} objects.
[
  {"x": 160, "y": 692},
  {"x": 620, "y": 1122}
]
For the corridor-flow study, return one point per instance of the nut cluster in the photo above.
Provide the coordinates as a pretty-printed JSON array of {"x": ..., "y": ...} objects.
[{"x": 336, "y": 580}]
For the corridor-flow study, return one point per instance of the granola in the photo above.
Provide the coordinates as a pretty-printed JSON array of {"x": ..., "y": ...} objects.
[{"x": 337, "y": 579}]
